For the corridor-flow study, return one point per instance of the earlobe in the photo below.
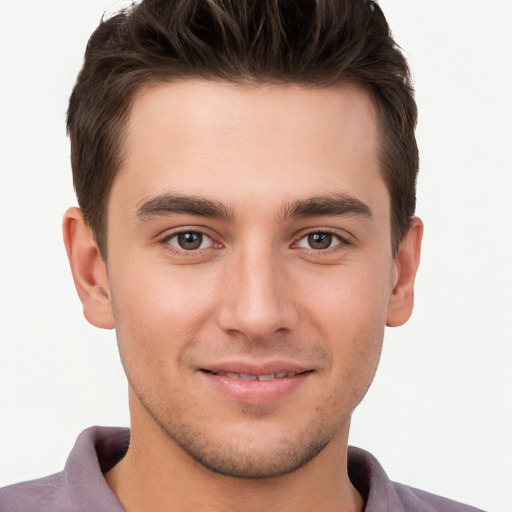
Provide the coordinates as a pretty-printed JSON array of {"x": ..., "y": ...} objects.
[
  {"x": 406, "y": 263},
  {"x": 88, "y": 269}
]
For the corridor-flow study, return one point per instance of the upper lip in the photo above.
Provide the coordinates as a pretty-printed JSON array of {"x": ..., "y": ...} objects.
[{"x": 246, "y": 368}]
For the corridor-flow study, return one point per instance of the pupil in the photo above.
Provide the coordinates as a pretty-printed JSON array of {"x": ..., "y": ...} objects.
[
  {"x": 190, "y": 241},
  {"x": 320, "y": 240}
]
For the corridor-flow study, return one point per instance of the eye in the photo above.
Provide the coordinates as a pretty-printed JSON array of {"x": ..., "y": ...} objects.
[
  {"x": 319, "y": 241},
  {"x": 189, "y": 241}
]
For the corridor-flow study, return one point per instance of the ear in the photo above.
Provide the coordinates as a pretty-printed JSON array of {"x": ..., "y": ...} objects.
[
  {"x": 406, "y": 263},
  {"x": 88, "y": 269}
]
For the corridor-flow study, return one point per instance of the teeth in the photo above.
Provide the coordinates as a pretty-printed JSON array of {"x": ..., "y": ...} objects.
[
  {"x": 246, "y": 376},
  {"x": 269, "y": 376}
]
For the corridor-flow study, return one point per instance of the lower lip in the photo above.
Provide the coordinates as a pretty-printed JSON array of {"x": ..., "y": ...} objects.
[{"x": 256, "y": 392}]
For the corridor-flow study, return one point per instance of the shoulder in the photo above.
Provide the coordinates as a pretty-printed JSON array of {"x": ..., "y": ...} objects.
[
  {"x": 42, "y": 495},
  {"x": 81, "y": 487},
  {"x": 417, "y": 500},
  {"x": 381, "y": 494}
]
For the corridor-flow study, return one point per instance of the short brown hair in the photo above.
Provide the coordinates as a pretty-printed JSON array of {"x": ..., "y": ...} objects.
[{"x": 317, "y": 43}]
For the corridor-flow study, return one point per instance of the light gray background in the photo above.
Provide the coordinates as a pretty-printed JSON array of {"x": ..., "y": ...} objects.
[{"x": 439, "y": 415}]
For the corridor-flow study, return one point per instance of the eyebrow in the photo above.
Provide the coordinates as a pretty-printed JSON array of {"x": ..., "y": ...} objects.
[
  {"x": 319, "y": 206},
  {"x": 326, "y": 206},
  {"x": 169, "y": 203}
]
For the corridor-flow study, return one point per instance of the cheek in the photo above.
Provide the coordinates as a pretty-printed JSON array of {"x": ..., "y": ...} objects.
[
  {"x": 349, "y": 314},
  {"x": 162, "y": 301},
  {"x": 350, "y": 298},
  {"x": 159, "y": 314}
]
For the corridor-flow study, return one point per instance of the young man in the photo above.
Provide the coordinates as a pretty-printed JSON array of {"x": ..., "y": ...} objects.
[{"x": 246, "y": 179}]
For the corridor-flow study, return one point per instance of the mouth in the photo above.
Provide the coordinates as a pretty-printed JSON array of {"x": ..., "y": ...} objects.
[{"x": 256, "y": 386}]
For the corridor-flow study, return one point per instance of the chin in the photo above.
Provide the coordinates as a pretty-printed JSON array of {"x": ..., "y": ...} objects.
[
  {"x": 250, "y": 449},
  {"x": 243, "y": 461}
]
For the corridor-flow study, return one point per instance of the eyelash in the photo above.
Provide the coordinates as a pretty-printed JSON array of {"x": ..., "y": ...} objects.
[
  {"x": 343, "y": 242},
  {"x": 192, "y": 252}
]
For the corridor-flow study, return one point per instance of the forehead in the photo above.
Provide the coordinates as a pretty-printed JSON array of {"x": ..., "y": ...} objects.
[{"x": 233, "y": 142}]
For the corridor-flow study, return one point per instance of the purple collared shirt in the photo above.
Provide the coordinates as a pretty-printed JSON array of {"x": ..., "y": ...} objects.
[{"x": 81, "y": 487}]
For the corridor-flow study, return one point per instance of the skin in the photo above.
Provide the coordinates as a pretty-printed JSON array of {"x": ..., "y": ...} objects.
[{"x": 274, "y": 285}]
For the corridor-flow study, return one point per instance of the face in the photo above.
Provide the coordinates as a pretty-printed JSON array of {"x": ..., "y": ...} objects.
[{"x": 249, "y": 268}]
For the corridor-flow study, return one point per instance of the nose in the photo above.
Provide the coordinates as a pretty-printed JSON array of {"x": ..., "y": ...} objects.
[{"x": 258, "y": 299}]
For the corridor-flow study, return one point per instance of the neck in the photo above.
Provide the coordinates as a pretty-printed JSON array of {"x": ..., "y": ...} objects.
[{"x": 157, "y": 475}]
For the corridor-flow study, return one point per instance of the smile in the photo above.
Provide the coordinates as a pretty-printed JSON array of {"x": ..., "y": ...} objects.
[{"x": 256, "y": 386}]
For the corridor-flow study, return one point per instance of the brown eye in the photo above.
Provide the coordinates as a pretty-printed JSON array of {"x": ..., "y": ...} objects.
[
  {"x": 320, "y": 240},
  {"x": 189, "y": 241}
]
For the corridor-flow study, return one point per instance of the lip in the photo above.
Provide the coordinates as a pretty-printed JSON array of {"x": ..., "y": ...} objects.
[{"x": 240, "y": 382}]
